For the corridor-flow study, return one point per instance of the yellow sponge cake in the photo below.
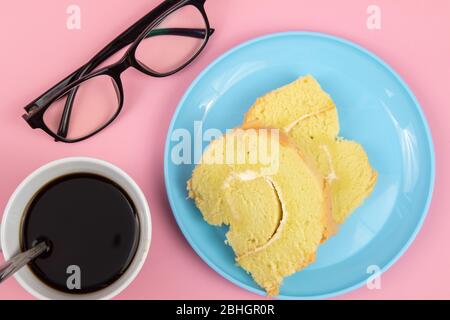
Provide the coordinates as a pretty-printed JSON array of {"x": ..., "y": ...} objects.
[
  {"x": 276, "y": 204},
  {"x": 308, "y": 115},
  {"x": 282, "y": 182}
]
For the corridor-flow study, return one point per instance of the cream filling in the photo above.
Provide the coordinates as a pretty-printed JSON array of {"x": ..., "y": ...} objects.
[
  {"x": 251, "y": 175},
  {"x": 281, "y": 224},
  {"x": 290, "y": 126},
  {"x": 332, "y": 174},
  {"x": 246, "y": 175}
]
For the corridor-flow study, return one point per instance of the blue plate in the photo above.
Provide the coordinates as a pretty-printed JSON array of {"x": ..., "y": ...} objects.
[{"x": 375, "y": 107}]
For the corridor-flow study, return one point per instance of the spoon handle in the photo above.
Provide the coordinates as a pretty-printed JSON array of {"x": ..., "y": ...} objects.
[{"x": 18, "y": 261}]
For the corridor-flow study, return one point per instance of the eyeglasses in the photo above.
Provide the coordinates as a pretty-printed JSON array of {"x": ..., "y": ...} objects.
[{"x": 160, "y": 44}]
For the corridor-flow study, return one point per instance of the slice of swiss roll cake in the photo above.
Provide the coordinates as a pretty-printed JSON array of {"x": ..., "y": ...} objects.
[
  {"x": 276, "y": 204},
  {"x": 308, "y": 115}
]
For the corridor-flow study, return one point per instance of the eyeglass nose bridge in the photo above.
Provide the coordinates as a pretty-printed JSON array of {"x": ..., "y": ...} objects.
[{"x": 120, "y": 66}]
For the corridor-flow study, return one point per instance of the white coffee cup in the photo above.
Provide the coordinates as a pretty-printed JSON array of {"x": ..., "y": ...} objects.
[{"x": 16, "y": 208}]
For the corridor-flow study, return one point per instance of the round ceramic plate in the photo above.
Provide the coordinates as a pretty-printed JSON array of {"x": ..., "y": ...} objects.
[{"x": 375, "y": 108}]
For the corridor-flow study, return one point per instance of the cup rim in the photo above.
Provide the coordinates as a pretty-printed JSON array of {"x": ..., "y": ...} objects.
[{"x": 137, "y": 196}]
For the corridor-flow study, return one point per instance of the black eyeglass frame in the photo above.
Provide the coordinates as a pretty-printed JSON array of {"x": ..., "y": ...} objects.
[{"x": 133, "y": 37}]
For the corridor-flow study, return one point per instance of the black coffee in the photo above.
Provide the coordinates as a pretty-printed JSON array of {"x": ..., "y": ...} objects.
[{"x": 92, "y": 228}]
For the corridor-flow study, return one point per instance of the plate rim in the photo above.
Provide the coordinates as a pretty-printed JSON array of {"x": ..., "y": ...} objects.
[{"x": 341, "y": 41}]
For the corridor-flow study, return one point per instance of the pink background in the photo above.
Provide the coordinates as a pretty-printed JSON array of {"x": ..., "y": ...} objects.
[{"x": 38, "y": 49}]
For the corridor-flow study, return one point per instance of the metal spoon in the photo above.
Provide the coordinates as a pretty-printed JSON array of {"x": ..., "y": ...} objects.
[{"x": 18, "y": 261}]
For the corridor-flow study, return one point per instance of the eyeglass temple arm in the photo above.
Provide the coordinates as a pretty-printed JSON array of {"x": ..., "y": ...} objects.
[
  {"x": 186, "y": 32},
  {"x": 117, "y": 44},
  {"x": 124, "y": 39},
  {"x": 183, "y": 32},
  {"x": 104, "y": 54}
]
